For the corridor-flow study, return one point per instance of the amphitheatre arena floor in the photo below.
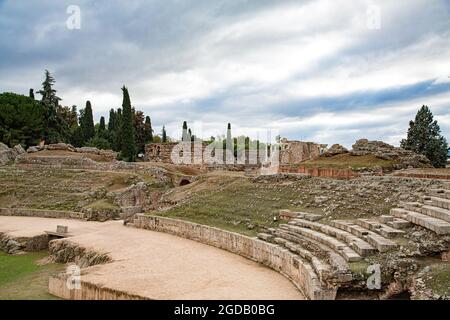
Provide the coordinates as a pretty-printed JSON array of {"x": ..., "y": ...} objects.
[{"x": 161, "y": 266}]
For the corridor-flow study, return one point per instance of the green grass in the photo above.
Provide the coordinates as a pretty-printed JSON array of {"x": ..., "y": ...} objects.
[
  {"x": 233, "y": 204},
  {"x": 439, "y": 279},
  {"x": 22, "y": 279},
  {"x": 103, "y": 204},
  {"x": 343, "y": 161}
]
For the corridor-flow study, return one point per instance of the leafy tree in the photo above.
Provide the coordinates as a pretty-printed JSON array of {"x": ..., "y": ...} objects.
[
  {"x": 424, "y": 137},
  {"x": 21, "y": 120},
  {"x": 99, "y": 143},
  {"x": 148, "y": 130},
  {"x": 128, "y": 150},
  {"x": 164, "y": 135}
]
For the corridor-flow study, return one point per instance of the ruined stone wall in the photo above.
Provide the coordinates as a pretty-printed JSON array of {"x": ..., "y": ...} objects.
[
  {"x": 322, "y": 172},
  {"x": 293, "y": 152},
  {"x": 271, "y": 255}
]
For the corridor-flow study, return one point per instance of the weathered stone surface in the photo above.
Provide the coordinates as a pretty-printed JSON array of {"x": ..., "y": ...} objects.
[
  {"x": 3, "y": 147},
  {"x": 335, "y": 149},
  {"x": 386, "y": 151},
  {"x": 64, "y": 251},
  {"x": 60, "y": 146},
  {"x": 293, "y": 152},
  {"x": 9, "y": 154},
  {"x": 33, "y": 149}
]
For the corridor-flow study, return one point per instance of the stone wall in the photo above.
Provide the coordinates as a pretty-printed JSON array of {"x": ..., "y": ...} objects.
[
  {"x": 293, "y": 152},
  {"x": 271, "y": 255},
  {"x": 22, "y": 212},
  {"x": 13, "y": 245},
  {"x": 57, "y": 286},
  {"x": 322, "y": 172}
]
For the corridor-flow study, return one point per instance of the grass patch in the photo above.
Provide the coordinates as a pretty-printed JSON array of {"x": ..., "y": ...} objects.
[
  {"x": 103, "y": 205},
  {"x": 359, "y": 267},
  {"x": 344, "y": 161},
  {"x": 233, "y": 203},
  {"x": 22, "y": 279},
  {"x": 438, "y": 279}
]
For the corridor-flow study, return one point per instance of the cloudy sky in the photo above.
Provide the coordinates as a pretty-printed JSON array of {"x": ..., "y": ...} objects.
[{"x": 327, "y": 71}]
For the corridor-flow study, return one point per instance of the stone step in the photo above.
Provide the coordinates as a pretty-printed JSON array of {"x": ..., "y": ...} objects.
[
  {"x": 339, "y": 265},
  {"x": 382, "y": 244},
  {"x": 289, "y": 215},
  {"x": 322, "y": 269},
  {"x": 441, "y": 203},
  {"x": 434, "y": 224},
  {"x": 265, "y": 236},
  {"x": 385, "y": 218},
  {"x": 435, "y": 212},
  {"x": 380, "y": 228},
  {"x": 428, "y": 210},
  {"x": 343, "y": 249},
  {"x": 440, "y": 193},
  {"x": 399, "y": 223},
  {"x": 360, "y": 246}
]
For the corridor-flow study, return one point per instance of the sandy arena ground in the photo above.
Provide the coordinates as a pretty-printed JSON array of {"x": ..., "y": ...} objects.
[{"x": 162, "y": 266}]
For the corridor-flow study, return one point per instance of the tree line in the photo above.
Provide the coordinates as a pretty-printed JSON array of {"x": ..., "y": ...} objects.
[{"x": 26, "y": 121}]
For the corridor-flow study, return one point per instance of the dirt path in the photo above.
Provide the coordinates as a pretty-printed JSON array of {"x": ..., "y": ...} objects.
[{"x": 162, "y": 266}]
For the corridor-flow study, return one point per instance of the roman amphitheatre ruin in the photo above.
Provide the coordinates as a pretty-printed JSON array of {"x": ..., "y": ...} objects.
[{"x": 158, "y": 230}]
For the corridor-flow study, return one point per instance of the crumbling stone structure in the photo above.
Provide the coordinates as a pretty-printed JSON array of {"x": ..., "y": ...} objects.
[
  {"x": 386, "y": 151},
  {"x": 293, "y": 152}
]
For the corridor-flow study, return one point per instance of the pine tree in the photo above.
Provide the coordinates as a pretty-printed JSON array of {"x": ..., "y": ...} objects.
[
  {"x": 32, "y": 94},
  {"x": 148, "y": 130},
  {"x": 164, "y": 134},
  {"x": 52, "y": 122},
  {"x": 424, "y": 137},
  {"x": 128, "y": 150}
]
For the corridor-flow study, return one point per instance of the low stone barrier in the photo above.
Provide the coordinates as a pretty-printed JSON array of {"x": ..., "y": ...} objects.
[
  {"x": 25, "y": 212},
  {"x": 322, "y": 172},
  {"x": 273, "y": 256},
  {"x": 13, "y": 245},
  {"x": 59, "y": 285}
]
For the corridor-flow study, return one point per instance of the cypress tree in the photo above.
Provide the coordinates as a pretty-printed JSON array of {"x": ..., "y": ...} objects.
[
  {"x": 148, "y": 130},
  {"x": 32, "y": 94},
  {"x": 424, "y": 138},
  {"x": 118, "y": 130},
  {"x": 184, "y": 136},
  {"x": 164, "y": 134},
  {"x": 128, "y": 144},
  {"x": 112, "y": 120},
  {"x": 87, "y": 122},
  {"x": 102, "y": 126}
]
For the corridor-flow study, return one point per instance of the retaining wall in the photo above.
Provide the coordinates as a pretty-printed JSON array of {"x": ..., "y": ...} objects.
[
  {"x": 282, "y": 260},
  {"x": 58, "y": 286},
  {"x": 25, "y": 212},
  {"x": 322, "y": 172}
]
